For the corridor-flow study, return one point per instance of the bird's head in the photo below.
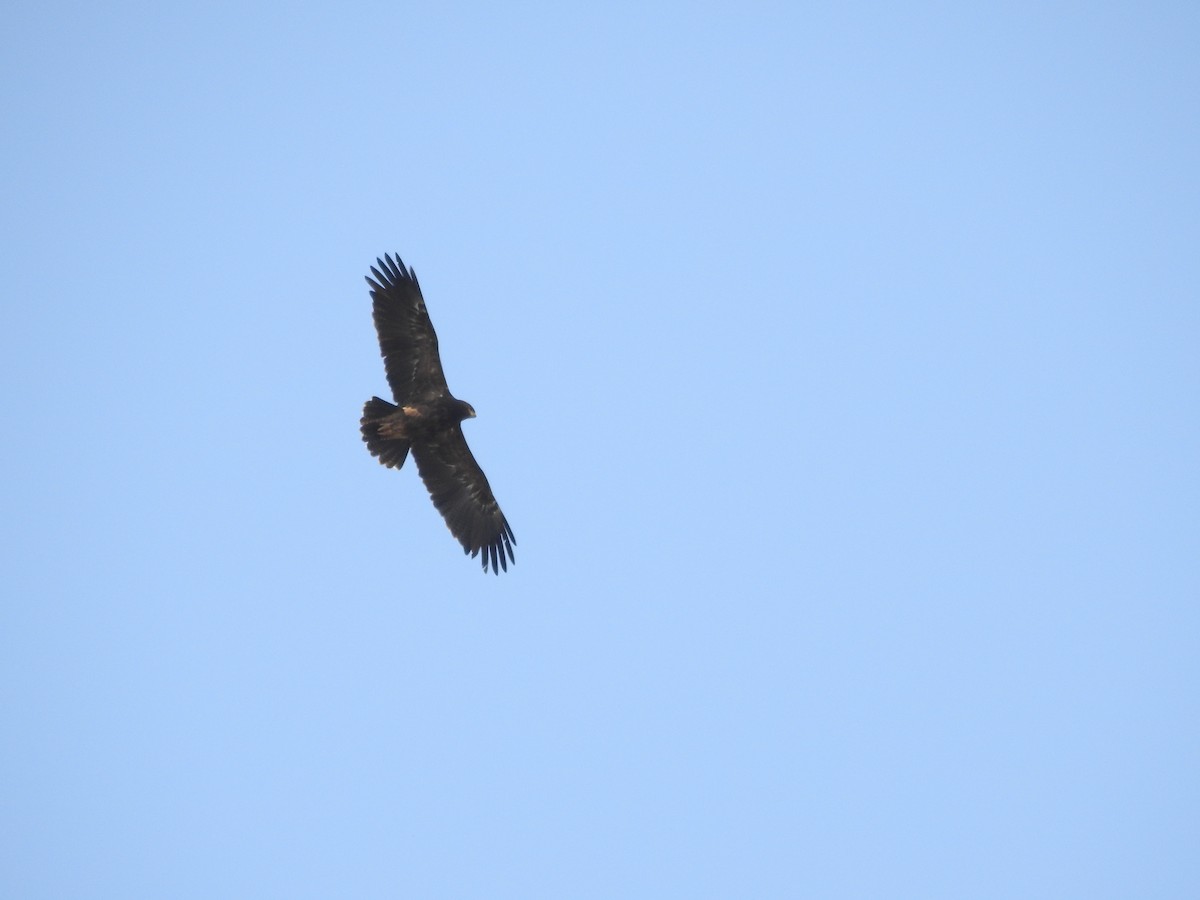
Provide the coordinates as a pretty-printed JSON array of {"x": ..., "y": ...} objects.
[{"x": 465, "y": 410}]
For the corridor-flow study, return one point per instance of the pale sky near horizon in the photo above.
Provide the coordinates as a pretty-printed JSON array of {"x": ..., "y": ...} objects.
[{"x": 836, "y": 366}]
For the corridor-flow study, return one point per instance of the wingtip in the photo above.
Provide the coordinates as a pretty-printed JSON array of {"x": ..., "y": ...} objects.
[
  {"x": 395, "y": 270},
  {"x": 494, "y": 556}
]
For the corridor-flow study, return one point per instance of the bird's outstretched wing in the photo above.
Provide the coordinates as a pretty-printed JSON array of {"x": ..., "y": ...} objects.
[
  {"x": 406, "y": 336},
  {"x": 462, "y": 495}
]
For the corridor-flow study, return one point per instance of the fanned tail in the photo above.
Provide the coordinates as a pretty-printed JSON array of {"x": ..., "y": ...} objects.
[{"x": 390, "y": 451}]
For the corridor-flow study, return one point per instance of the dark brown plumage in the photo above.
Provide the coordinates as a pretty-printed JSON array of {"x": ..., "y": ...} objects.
[{"x": 426, "y": 419}]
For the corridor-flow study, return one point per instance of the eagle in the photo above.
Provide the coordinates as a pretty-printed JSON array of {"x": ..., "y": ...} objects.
[{"x": 427, "y": 419}]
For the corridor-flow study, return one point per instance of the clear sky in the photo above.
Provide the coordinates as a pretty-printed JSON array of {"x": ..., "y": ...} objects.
[{"x": 836, "y": 366}]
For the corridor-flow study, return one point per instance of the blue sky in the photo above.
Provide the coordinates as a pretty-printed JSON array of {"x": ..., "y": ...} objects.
[{"x": 835, "y": 366}]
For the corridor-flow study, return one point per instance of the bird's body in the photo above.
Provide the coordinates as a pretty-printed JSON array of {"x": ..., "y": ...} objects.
[
  {"x": 423, "y": 421},
  {"x": 426, "y": 419}
]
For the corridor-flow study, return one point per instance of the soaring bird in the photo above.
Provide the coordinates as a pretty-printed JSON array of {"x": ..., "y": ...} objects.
[{"x": 427, "y": 419}]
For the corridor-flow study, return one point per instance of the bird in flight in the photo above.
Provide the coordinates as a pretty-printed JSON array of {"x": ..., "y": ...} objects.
[{"x": 427, "y": 419}]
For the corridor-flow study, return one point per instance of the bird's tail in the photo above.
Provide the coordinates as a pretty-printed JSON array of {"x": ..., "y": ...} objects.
[{"x": 391, "y": 451}]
